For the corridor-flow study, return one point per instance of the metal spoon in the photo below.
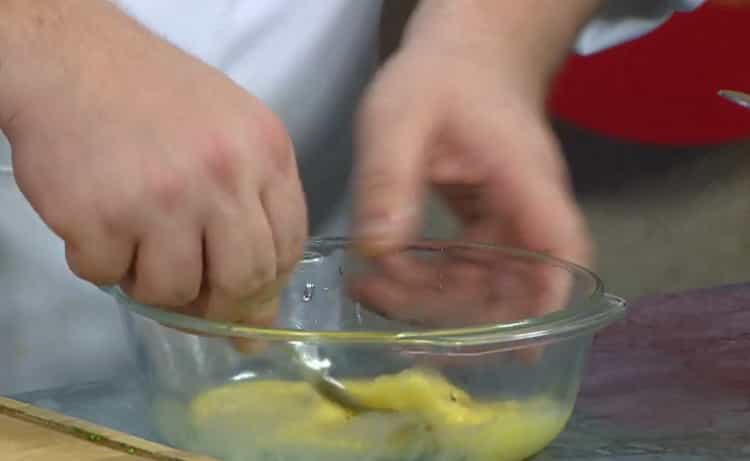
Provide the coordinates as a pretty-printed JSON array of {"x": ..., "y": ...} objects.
[
  {"x": 314, "y": 369},
  {"x": 737, "y": 97}
]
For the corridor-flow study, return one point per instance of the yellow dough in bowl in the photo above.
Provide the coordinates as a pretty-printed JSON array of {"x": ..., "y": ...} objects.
[{"x": 426, "y": 418}]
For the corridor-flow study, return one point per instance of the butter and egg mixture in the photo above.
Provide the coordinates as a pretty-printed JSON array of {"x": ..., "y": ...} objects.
[{"x": 424, "y": 418}]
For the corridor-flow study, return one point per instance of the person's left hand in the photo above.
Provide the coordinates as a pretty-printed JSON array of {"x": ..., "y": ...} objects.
[{"x": 473, "y": 130}]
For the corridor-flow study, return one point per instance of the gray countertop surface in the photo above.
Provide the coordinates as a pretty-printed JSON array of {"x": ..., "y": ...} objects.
[{"x": 671, "y": 382}]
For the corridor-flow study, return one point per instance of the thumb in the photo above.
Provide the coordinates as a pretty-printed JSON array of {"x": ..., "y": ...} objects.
[{"x": 390, "y": 178}]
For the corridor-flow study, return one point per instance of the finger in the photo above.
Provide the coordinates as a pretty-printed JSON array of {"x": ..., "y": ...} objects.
[
  {"x": 524, "y": 204},
  {"x": 528, "y": 190},
  {"x": 567, "y": 240},
  {"x": 240, "y": 257},
  {"x": 408, "y": 269},
  {"x": 438, "y": 292},
  {"x": 528, "y": 200},
  {"x": 167, "y": 267},
  {"x": 548, "y": 286},
  {"x": 98, "y": 257},
  {"x": 390, "y": 178},
  {"x": 284, "y": 205},
  {"x": 258, "y": 310},
  {"x": 450, "y": 306}
]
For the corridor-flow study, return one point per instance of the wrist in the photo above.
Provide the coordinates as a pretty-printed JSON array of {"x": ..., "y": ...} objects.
[{"x": 529, "y": 38}]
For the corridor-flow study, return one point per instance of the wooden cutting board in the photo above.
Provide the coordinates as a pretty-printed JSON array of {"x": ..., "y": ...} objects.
[{"x": 29, "y": 433}]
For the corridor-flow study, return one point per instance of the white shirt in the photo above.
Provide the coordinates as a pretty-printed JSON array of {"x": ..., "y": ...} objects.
[
  {"x": 619, "y": 21},
  {"x": 308, "y": 61}
]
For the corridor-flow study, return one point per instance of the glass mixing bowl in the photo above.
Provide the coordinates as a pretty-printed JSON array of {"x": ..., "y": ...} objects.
[{"x": 473, "y": 352}]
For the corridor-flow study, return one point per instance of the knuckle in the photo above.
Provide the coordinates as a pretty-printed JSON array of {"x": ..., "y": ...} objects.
[
  {"x": 58, "y": 224},
  {"x": 152, "y": 292},
  {"x": 182, "y": 295},
  {"x": 227, "y": 287},
  {"x": 238, "y": 286},
  {"x": 141, "y": 289},
  {"x": 164, "y": 289},
  {"x": 168, "y": 190},
  {"x": 221, "y": 159},
  {"x": 89, "y": 269},
  {"x": 119, "y": 217},
  {"x": 144, "y": 293},
  {"x": 283, "y": 161},
  {"x": 60, "y": 212},
  {"x": 271, "y": 133},
  {"x": 263, "y": 274},
  {"x": 79, "y": 267}
]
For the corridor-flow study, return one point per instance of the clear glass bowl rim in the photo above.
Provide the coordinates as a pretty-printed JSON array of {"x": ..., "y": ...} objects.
[{"x": 596, "y": 311}]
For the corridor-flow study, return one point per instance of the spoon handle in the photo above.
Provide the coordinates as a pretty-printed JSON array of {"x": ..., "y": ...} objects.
[
  {"x": 314, "y": 369},
  {"x": 737, "y": 97}
]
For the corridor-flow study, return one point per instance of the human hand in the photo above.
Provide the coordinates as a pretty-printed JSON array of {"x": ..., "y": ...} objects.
[
  {"x": 157, "y": 171},
  {"x": 470, "y": 125}
]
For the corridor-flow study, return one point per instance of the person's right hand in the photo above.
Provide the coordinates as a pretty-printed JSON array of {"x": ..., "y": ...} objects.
[{"x": 157, "y": 171}]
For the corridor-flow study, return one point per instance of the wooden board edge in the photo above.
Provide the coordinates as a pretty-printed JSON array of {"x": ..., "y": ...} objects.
[{"x": 92, "y": 433}]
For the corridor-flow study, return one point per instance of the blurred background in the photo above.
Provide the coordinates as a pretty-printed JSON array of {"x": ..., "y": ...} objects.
[{"x": 661, "y": 165}]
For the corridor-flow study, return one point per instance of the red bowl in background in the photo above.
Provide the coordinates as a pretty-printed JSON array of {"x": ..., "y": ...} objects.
[{"x": 661, "y": 89}]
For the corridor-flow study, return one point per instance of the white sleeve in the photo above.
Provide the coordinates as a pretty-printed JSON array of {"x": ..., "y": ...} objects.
[{"x": 619, "y": 21}]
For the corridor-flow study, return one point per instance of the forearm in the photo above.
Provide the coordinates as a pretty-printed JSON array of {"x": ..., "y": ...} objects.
[
  {"x": 47, "y": 44},
  {"x": 533, "y": 34},
  {"x": 29, "y": 35}
]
